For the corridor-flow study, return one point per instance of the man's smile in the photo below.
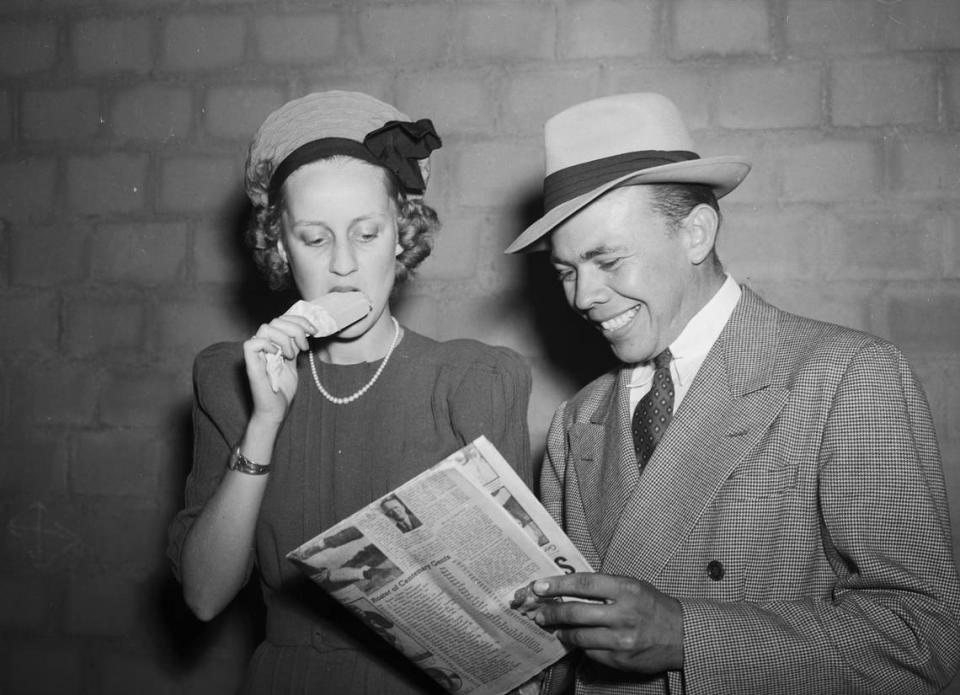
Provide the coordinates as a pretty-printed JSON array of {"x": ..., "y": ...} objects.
[{"x": 620, "y": 320}]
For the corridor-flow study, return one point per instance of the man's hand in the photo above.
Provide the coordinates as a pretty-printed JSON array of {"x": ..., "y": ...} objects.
[{"x": 625, "y": 623}]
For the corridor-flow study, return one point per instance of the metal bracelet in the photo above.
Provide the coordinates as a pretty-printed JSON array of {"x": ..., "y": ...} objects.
[{"x": 240, "y": 463}]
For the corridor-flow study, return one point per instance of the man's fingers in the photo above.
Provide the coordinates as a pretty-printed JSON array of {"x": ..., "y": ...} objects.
[
  {"x": 596, "y": 638},
  {"x": 576, "y": 613},
  {"x": 589, "y": 585}
]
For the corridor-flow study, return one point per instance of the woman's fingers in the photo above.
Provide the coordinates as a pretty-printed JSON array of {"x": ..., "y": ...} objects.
[{"x": 290, "y": 333}]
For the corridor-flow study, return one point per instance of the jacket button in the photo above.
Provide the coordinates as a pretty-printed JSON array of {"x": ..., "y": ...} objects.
[{"x": 715, "y": 570}]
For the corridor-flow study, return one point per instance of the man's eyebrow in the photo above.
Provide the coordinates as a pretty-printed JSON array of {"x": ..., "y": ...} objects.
[{"x": 592, "y": 253}]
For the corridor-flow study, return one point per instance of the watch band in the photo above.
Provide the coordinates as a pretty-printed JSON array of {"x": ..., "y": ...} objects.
[{"x": 240, "y": 463}]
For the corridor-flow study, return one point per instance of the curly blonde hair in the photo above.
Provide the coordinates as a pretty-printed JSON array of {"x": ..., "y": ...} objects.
[{"x": 417, "y": 224}]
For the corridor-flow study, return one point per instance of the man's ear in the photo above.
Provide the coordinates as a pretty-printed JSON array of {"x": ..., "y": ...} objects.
[{"x": 700, "y": 231}]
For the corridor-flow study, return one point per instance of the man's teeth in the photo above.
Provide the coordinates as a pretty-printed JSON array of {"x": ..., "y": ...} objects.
[{"x": 619, "y": 321}]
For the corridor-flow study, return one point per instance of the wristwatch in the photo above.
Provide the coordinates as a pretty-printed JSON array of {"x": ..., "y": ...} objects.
[{"x": 239, "y": 462}]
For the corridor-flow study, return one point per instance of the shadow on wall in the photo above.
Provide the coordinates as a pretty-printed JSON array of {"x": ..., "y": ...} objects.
[
  {"x": 253, "y": 301},
  {"x": 569, "y": 351},
  {"x": 572, "y": 348},
  {"x": 188, "y": 643}
]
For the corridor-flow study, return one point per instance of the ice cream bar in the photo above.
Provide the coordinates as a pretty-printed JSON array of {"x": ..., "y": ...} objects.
[{"x": 332, "y": 312}]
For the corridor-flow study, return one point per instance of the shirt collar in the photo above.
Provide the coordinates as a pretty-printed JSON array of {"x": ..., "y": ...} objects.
[{"x": 696, "y": 338}]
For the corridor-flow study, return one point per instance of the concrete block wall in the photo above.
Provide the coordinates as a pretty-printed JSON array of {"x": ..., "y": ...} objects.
[{"x": 123, "y": 126}]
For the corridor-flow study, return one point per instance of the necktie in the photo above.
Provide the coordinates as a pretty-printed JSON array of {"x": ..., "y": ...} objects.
[{"x": 654, "y": 411}]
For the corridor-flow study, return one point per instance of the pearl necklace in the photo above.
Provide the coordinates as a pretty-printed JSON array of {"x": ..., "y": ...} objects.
[{"x": 340, "y": 400}]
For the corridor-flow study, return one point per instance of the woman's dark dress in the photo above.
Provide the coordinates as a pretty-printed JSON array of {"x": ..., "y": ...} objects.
[{"x": 331, "y": 460}]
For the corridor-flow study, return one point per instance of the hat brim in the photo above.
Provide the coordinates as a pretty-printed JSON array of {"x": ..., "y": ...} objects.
[{"x": 722, "y": 174}]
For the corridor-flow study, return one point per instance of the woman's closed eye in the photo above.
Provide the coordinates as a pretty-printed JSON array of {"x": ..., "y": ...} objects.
[
  {"x": 366, "y": 232},
  {"x": 318, "y": 240}
]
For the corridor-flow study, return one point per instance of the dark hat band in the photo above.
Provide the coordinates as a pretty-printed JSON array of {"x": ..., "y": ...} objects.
[
  {"x": 398, "y": 146},
  {"x": 566, "y": 184},
  {"x": 313, "y": 151}
]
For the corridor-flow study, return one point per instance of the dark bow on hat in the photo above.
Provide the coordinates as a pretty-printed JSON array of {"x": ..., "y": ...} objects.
[{"x": 399, "y": 145}]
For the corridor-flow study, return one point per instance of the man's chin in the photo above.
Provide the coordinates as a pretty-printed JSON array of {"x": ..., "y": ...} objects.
[{"x": 630, "y": 353}]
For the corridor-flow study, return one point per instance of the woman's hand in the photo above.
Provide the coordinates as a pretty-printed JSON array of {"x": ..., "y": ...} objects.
[{"x": 285, "y": 336}]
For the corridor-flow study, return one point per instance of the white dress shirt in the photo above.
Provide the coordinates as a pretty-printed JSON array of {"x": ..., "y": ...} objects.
[{"x": 690, "y": 348}]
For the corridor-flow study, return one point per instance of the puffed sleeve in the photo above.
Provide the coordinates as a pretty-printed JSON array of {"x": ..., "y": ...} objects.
[
  {"x": 220, "y": 412},
  {"x": 491, "y": 400}
]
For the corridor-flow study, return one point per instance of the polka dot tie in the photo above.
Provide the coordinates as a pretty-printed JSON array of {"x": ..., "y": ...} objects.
[{"x": 654, "y": 411}]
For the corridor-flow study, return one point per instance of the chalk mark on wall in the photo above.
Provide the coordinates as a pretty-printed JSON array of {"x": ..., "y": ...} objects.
[{"x": 47, "y": 541}]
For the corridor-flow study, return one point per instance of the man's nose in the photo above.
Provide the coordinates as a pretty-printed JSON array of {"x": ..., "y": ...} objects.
[{"x": 588, "y": 292}]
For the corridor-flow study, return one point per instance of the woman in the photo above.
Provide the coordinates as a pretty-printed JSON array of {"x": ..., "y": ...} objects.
[{"x": 336, "y": 180}]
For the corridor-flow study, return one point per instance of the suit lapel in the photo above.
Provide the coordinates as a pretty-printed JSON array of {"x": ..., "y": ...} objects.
[
  {"x": 726, "y": 411},
  {"x": 602, "y": 453}
]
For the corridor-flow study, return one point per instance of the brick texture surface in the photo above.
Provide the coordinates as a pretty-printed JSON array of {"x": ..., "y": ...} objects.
[
  {"x": 27, "y": 47},
  {"x": 720, "y": 27},
  {"x": 399, "y": 34},
  {"x": 102, "y": 605},
  {"x": 203, "y": 42},
  {"x": 106, "y": 183},
  {"x": 504, "y": 31},
  {"x": 532, "y": 97},
  {"x": 925, "y": 24},
  {"x": 463, "y": 101},
  {"x": 149, "y": 254},
  {"x": 32, "y": 611},
  {"x": 603, "y": 29},
  {"x": 193, "y": 184},
  {"x": 55, "y": 393},
  {"x": 107, "y": 45},
  {"x": 69, "y": 114},
  {"x": 29, "y": 187},
  {"x": 852, "y": 26},
  {"x": 152, "y": 112},
  {"x": 835, "y": 170},
  {"x": 883, "y": 93},
  {"x": 33, "y": 264},
  {"x": 953, "y": 94},
  {"x": 6, "y": 117},
  {"x": 36, "y": 670},
  {"x": 930, "y": 166},
  {"x": 298, "y": 39},
  {"x": 236, "y": 112},
  {"x": 123, "y": 464},
  {"x": 41, "y": 468},
  {"x": 103, "y": 325},
  {"x": 123, "y": 131},
  {"x": 766, "y": 97},
  {"x": 30, "y": 321}
]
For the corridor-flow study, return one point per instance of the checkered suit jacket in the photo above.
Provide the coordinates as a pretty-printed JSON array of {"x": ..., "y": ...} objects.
[{"x": 795, "y": 507}]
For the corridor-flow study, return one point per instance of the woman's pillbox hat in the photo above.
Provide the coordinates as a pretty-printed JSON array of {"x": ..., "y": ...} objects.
[
  {"x": 337, "y": 122},
  {"x": 625, "y": 139}
]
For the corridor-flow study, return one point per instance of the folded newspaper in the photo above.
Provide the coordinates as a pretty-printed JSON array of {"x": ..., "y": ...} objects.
[{"x": 432, "y": 568}]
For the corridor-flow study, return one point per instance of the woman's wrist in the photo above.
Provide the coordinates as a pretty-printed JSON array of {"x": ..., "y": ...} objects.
[
  {"x": 258, "y": 440},
  {"x": 240, "y": 463}
]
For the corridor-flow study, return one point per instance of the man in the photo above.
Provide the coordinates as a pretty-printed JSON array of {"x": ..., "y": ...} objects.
[
  {"x": 761, "y": 494},
  {"x": 397, "y": 512}
]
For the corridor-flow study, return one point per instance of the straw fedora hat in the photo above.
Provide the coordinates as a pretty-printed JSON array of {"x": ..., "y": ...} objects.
[{"x": 619, "y": 140}]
